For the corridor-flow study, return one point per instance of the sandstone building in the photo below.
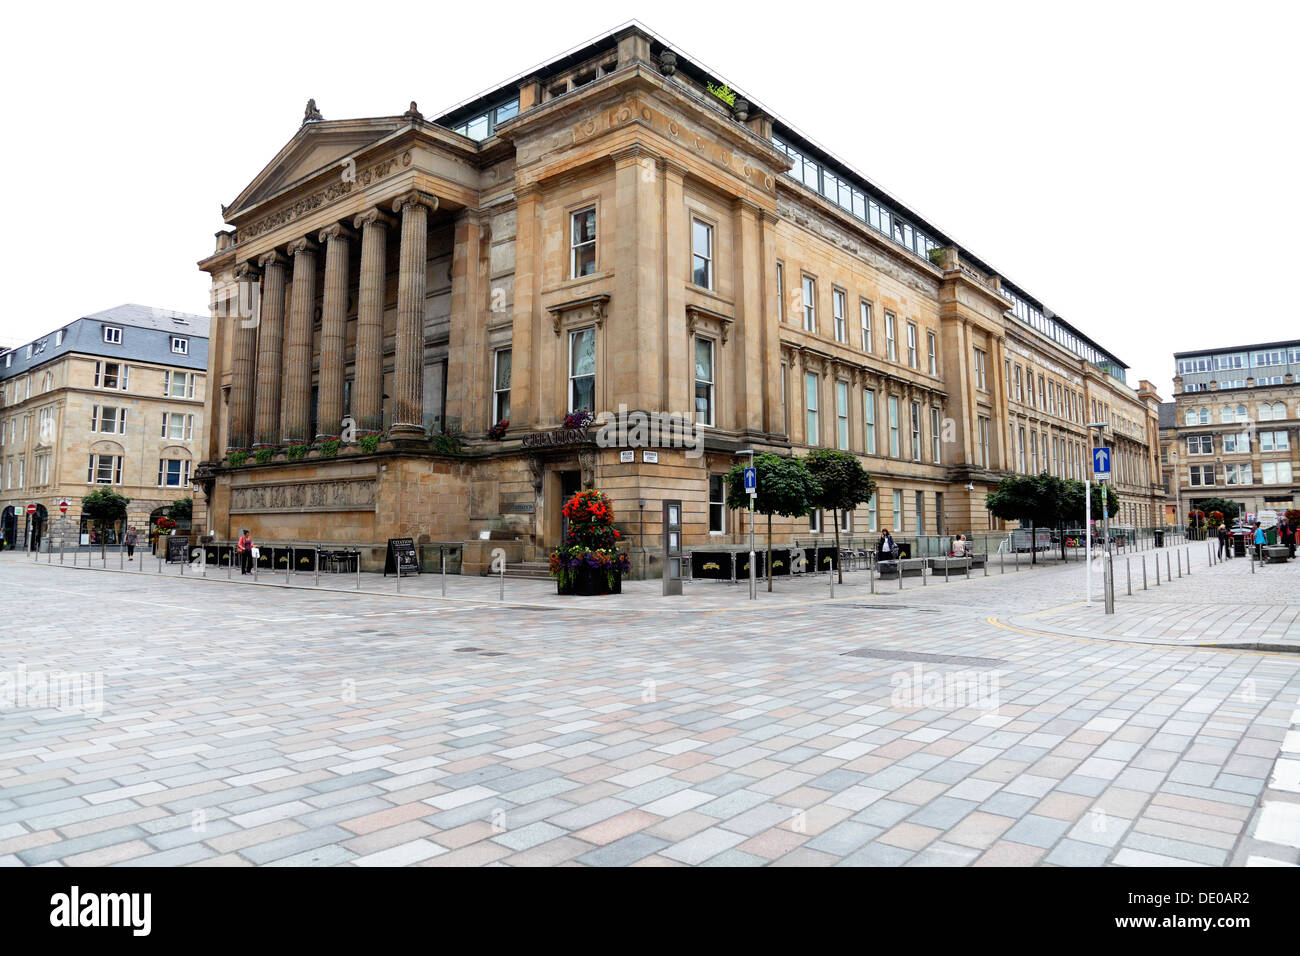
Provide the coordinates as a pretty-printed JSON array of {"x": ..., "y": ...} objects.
[
  {"x": 618, "y": 228},
  {"x": 1236, "y": 426},
  {"x": 114, "y": 399}
]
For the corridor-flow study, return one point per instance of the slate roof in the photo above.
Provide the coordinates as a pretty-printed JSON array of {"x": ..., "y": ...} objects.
[
  {"x": 146, "y": 337},
  {"x": 1168, "y": 418}
]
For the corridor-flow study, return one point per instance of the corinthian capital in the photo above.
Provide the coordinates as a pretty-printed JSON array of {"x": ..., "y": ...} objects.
[
  {"x": 373, "y": 217},
  {"x": 415, "y": 198}
]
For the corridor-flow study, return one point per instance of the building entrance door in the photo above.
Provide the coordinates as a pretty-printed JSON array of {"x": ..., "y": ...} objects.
[
  {"x": 570, "y": 485},
  {"x": 9, "y": 528}
]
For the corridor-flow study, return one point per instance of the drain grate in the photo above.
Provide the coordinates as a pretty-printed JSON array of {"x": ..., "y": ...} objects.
[
  {"x": 467, "y": 650},
  {"x": 887, "y": 654}
]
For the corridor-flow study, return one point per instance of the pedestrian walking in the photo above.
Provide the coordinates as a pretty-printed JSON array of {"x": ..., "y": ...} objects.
[
  {"x": 1286, "y": 535},
  {"x": 1260, "y": 541},
  {"x": 244, "y": 548},
  {"x": 1225, "y": 542},
  {"x": 131, "y": 538}
]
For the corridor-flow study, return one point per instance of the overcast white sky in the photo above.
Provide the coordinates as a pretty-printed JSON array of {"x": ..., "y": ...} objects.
[{"x": 1133, "y": 165}]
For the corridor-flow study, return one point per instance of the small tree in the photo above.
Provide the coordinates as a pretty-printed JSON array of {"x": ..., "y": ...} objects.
[
  {"x": 1074, "y": 501},
  {"x": 845, "y": 486},
  {"x": 785, "y": 487},
  {"x": 1230, "y": 509},
  {"x": 182, "y": 509},
  {"x": 1029, "y": 499},
  {"x": 103, "y": 507}
]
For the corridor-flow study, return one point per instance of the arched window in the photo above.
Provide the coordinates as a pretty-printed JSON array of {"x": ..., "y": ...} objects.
[{"x": 1275, "y": 411}]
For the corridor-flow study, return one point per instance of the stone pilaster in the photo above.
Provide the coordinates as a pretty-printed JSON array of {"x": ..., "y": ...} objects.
[
  {"x": 333, "y": 328},
  {"x": 270, "y": 346},
  {"x": 408, "y": 363},
  {"x": 368, "y": 387},
  {"x": 243, "y": 364},
  {"x": 297, "y": 386}
]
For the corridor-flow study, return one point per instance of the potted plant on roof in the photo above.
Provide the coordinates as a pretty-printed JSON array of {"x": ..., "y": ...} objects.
[{"x": 589, "y": 562}]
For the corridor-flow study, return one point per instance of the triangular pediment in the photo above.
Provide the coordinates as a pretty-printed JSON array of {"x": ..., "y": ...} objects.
[{"x": 315, "y": 147}]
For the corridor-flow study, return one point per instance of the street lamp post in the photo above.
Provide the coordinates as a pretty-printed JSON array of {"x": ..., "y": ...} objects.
[{"x": 753, "y": 586}]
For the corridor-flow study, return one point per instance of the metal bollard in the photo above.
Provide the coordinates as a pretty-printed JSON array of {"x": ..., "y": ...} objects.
[
  {"x": 899, "y": 565},
  {"x": 1144, "y": 572},
  {"x": 288, "y": 568},
  {"x": 203, "y": 552},
  {"x": 442, "y": 559},
  {"x": 1017, "y": 560},
  {"x": 502, "y": 595},
  {"x": 830, "y": 579},
  {"x": 1168, "y": 574},
  {"x": 1002, "y": 561},
  {"x": 316, "y": 563},
  {"x": 1189, "y": 562},
  {"x": 871, "y": 572},
  {"x": 1180, "y": 563},
  {"x": 185, "y": 559},
  {"x": 945, "y": 571},
  {"x": 358, "y": 569},
  {"x": 230, "y": 561},
  {"x": 61, "y": 552},
  {"x": 1128, "y": 574},
  {"x": 121, "y": 552}
]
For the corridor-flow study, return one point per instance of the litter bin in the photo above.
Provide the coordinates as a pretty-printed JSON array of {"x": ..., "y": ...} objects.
[{"x": 1159, "y": 536}]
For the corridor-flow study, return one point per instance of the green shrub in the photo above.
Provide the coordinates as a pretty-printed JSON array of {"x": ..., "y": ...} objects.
[
  {"x": 263, "y": 455},
  {"x": 369, "y": 443},
  {"x": 329, "y": 448},
  {"x": 297, "y": 450},
  {"x": 236, "y": 458}
]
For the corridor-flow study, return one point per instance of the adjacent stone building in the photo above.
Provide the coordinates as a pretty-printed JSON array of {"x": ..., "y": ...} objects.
[
  {"x": 114, "y": 399},
  {"x": 1236, "y": 426},
  {"x": 617, "y": 232}
]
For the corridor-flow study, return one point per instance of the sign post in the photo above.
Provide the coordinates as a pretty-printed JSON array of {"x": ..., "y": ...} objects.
[
  {"x": 1101, "y": 471},
  {"x": 751, "y": 489}
]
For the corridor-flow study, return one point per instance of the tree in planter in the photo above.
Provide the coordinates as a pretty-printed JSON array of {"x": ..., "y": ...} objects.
[
  {"x": 1029, "y": 499},
  {"x": 103, "y": 507},
  {"x": 785, "y": 487},
  {"x": 182, "y": 509},
  {"x": 1229, "y": 508},
  {"x": 590, "y": 543},
  {"x": 845, "y": 486},
  {"x": 1074, "y": 501}
]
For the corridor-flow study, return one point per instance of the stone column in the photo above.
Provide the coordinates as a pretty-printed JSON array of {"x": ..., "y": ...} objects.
[
  {"x": 270, "y": 344},
  {"x": 368, "y": 386},
  {"x": 408, "y": 364},
  {"x": 297, "y": 386},
  {"x": 333, "y": 328},
  {"x": 244, "y": 362}
]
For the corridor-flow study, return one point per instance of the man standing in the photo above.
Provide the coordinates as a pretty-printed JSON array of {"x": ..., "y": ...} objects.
[
  {"x": 1225, "y": 541},
  {"x": 245, "y": 550},
  {"x": 131, "y": 538}
]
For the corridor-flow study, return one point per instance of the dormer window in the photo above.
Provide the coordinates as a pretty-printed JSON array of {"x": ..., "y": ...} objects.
[
  {"x": 180, "y": 345},
  {"x": 112, "y": 335}
]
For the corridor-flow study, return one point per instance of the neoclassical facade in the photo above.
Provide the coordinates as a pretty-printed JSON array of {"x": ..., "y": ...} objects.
[{"x": 616, "y": 232}]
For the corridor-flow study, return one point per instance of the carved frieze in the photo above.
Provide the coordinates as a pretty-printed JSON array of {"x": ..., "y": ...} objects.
[{"x": 352, "y": 494}]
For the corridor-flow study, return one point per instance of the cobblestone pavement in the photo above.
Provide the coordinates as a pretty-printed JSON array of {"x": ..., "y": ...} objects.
[{"x": 970, "y": 723}]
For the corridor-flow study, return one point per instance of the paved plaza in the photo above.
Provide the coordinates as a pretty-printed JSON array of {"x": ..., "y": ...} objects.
[{"x": 1001, "y": 720}]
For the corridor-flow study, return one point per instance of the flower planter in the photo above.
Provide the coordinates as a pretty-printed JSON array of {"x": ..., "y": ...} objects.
[{"x": 591, "y": 582}]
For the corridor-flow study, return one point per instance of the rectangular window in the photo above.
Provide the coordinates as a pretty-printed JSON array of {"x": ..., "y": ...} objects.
[
  {"x": 810, "y": 399},
  {"x": 1020, "y": 386},
  {"x": 935, "y": 436},
  {"x": 897, "y": 516},
  {"x": 920, "y": 512},
  {"x": 893, "y": 426},
  {"x": 981, "y": 370},
  {"x": 582, "y": 243},
  {"x": 717, "y": 505},
  {"x": 846, "y": 522},
  {"x": 842, "y": 415},
  {"x": 1237, "y": 475},
  {"x": 702, "y": 254},
  {"x": 916, "y": 431},
  {"x": 932, "y": 348},
  {"x": 1274, "y": 441},
  {"x": 815, "y": 521},
  {"x": 1033, "y": 450},
  {"x": 837, "y": 310},
  {"x": 111, "y": 375},
  {"x": 1021, "y": 450},
  {"x": 112, "y": 335},
  {"x": 872, "y": 520},
  {"x": 703, "y": 381},
  {"x": 1231, "y": 443},
  {"x": 501, "y": 385},
  {"x": 869, "y": 420},
  {"x": 104, "y": 470},
  {"x": 984, "y": 442},
  {"x": 173, "y": 472},
  {"x": 181, "y": 346},
  {"x": 867, "y": 343},
  {"x": 891, "y": 344},
  {"x": 1276, "y": 472},
  {"x": 809, "y": 304},
  {"x": 582, "y": 370},
  {"x": 108, "y": 419},
  {"x": 912, "y": 359},
  {"x": 780, "y": 291}
]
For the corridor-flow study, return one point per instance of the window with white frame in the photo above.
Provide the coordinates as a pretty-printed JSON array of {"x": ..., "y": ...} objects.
[
  {"x": 173, "y": 472},
  {"x": 897, "y": 517},
  {"x": 1230, "y": 414},
  {"x": 981, "y": 370},
  {"x": 894, "y": 447},
  {"x": 111, "y": 375},
  {"x": 916, "y": 430},
  {"x": 22, "y": 472},
  {"x": 1201, "y": 476},
  {"x": 913, "y": 359},
  {"x": 869, "y": 419},
  {"x": 1274, "y": 441},
  {"x": 872, "y": 519},
  {"x": 1275, "y": 472},
  {"x": 837, "y": 310},
  {"x": 582, "y": 243},
  {"x": 1033, "y": 450},
  {"x": 1272, "y": 411},
  {"x": 935, "y": 436},
  {"x": 846, "y": 522},
  {"x": 717, "y": 504},
  {"x": 809, "y": 304},
  {"x": 1200, "y": 444},
  {"x": 984, "y": 442},
  {"x": 704, "y": 384},
  {"x": 1020, "y": 386},
  {"x": 177, "y": 426},
  {"x": 1237, "y": 443},
  {"x": 780, "y": 291},
  {"x": 112, "y": 335},
  {"x": 702, "y": 254},
  {"x": 891, "y": 342},
  {"x": 42, "y": 469},
  {"x": 582, "y": 370},
  {"x": 180, "y": 345},
  {"x": 104, "y": 470},
  {"x": 179, "y": 384},
  {"x": 1193, "y": 416},
  {"x": 501, "y": 360},
  {"x": 842, "y": 415},
  {"x": 932, "y": 349},
  {"x": 1238, "y": 474},
  {"x": 815, "y": 521},
  {"x": 1021, "y": 449},
  {"x": 108, "y": 419},
  {"x": 867, "y": 340},
  {"x": 810, "y": 406}
]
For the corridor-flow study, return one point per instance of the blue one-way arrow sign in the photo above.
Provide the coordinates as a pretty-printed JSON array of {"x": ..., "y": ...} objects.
[
  {"x": 1101, "y": 463},
  {"x": 751, "y": 482}
]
